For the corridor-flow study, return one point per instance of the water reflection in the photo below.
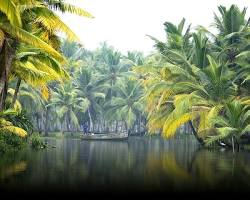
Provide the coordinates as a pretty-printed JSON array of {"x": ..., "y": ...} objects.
[{"x": 144, "y": 164}]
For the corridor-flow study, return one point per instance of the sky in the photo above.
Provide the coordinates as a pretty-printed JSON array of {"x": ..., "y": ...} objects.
[{"x": 124, "y": 24}]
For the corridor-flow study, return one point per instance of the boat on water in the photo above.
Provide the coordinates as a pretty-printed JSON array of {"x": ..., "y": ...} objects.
[{"x": 104, "y": 136}]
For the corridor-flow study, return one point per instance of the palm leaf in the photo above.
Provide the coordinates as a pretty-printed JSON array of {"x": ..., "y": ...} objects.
[
  {"x": 52, "y": 22},
  {"x": 75, "y": 10},
  {"x": 45, "y": 92},
  {"x": 30, "y": 39},
  {"x": 10, "y": 10},
  {"x": 174, "y": 122},
  {"x": 222, "y": 133},
  {"x": 13, "y": 129}
]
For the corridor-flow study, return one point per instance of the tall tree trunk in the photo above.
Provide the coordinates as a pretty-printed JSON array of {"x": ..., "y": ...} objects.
[
  {"x": 127, "y": 129},
  {"x": 116, "y": 126},
  {"x": 98, "y": 126},
  {"x": 140, "y": 123},
  {"x": 68, "y": 121},
  {"x": 38, "y": 124},
  {"x": 90, "y": 120},
  {"x": 61, "y": 127},
  {"x": 46, "y": 122},
  {"x": 200, "y": 140},
  {"x": 233, "y": 143},
  {"x": 7, "y": 56},
  {"x": 16, "y": 91}
]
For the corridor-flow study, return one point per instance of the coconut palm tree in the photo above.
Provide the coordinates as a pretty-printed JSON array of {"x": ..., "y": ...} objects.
[
  {"x": 7, "y": 126},
  {"x": 189, "y": 86},
  {"x": 34, "y": 101},
  {"x": 178, "y": 39},
  {"x": 232, "y": 36},
  {"x": 65, "y": 98},
  {"x": 93, "y": 90},
  {"x": 12, "y": 33},
  {"x": 126, "y": 106},
  {"x": 36, "y": 68},
  {"x": 188, "y": 94},
  {"x": 18, "y": 25},
  {"x": 110, "y": 67},
  {"x": 233, "y": 124}
]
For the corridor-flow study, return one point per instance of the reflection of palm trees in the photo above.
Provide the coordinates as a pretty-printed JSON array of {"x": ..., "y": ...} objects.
[
  {"x": 150, "y": 164},
  {"x": 172, "y": 168},
  {"x": 214, "y": 169},
  {"x": 204, "y": 169},
  {"x": 13, "y": 169},
  {"x": 104, "y": 153},
  {"x": 166, "y": 165}
]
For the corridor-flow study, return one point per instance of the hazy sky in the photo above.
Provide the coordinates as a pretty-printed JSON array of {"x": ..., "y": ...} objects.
[{"x": 124, "y": 24}]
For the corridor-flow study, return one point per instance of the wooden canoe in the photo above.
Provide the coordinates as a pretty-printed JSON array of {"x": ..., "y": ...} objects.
[{"x": 105, "y": 136}]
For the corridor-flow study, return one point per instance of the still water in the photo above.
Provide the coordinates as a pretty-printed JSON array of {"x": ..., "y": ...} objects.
[{"x": 141, "y": 164}]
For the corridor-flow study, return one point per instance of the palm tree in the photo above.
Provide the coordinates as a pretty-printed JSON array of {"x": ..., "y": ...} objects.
[
  {"x": 233, "y": 124},
  {"x": 127, "y": 106},
  {"x": 74, "y": 53},
  {"x": 67, "y": 102},
  {"x": 110, "y": 67},
  {"x": 7, "y": 126},
  {"x": 34, "y": 101},
  {"x": 39, "y": 33},
  {"x": 178, "y": 40},
  {"x": 11, "y": 34},
  {"x": 190, "y": 86},
  {"x": 88, "y": 87},
  {"x": 35, "y": 68},
  {"x": 188, "y": 94},
  {"x": 232, "y": 27},
  {"x": 201, "y": 48}
]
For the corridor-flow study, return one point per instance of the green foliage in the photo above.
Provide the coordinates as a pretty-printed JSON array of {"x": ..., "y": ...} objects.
[
  {"x": 36, "y": 141},
  {"x": 203, "y": 81},
  {"x": 22, "y": 120},
  {"x": 11, "y": 142},
  {"x": 196, "y": 77}
]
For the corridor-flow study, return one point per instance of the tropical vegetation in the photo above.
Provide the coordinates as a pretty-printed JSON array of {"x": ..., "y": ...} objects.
[
  {"x": 201, "y": 79},
  {"x": 196, "y": 80}
]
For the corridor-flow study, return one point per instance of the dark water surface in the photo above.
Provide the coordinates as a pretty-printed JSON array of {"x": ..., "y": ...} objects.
[{"x": 141, "y": 164}]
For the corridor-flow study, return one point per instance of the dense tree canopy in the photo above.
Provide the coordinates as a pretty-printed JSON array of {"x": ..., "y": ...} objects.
[{"x": 196, "y": 78}]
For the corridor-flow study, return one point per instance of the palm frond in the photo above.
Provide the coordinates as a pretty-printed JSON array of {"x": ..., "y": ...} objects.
[
  {"x": 14, "y": 129},
  {"x": 30, "y": 39},
  {"x": 9, "y": 8}
]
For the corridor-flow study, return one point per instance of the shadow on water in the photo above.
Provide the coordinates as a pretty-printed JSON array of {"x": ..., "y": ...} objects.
[{"x": 141, "y": 164}]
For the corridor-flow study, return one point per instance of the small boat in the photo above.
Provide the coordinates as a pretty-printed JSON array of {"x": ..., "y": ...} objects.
[{"x": 104, "y": 136}]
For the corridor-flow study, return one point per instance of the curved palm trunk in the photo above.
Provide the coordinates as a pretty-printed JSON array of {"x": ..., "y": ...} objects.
[
  {"x": 7, "y": 55},
  {"x": 233, "y": 143},
  {"x": 139, "y": 124},
  {"x": 90, "y": 120},
  {"x": 46, "y": 122},
  {"x": 127, "y": 129},
  {"x": 38, "y": 123},
  {"x": 116, "y": 126},
  {"x": 200, "y": 140},
  {"x": 68, "y": 121},
  {"x": 16, "y": 91}
]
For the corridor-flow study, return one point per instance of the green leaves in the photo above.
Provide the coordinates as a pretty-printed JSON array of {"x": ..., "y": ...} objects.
[
  {"x": 230, "y": 20},
  {"x": 65, "y": 7},
  {"x": 223, "y": 133},
  {"x": 10, "y": 9},
  {"x": 26, "y": 37},
  {"x": 53, "y": 23},
  {"x": 175, "y": 121}
]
